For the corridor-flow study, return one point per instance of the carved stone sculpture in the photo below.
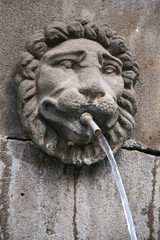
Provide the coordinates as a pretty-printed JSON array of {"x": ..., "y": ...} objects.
[{"x": 68, "y": 69}]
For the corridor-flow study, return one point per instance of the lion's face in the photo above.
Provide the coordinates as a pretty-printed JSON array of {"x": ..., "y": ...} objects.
[
  {"x": 76, "y": 76},
  {"x": 71, "y": 69}
]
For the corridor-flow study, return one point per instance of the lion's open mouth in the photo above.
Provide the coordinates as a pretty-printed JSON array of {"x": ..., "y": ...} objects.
[{"x": 67, "y": 123}]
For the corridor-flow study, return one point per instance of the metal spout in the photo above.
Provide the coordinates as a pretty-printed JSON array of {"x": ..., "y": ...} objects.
[{"x": 87, "y": 119}]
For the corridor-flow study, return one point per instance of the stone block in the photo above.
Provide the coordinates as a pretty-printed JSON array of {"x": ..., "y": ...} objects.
[
  {"x": 42, "y": 199},
  {"x": 37, "y": 199},
  {"x": 137, "y": 22}
]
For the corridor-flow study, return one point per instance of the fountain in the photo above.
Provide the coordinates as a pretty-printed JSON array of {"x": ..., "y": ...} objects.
[{"x": 70, "y": 70}]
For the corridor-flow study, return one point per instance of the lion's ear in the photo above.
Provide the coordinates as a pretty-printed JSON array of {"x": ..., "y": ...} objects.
[
  {"x": 128, "y": 101},
  {"x": 27, "y": 89},
  {"x": 28, "y": 66}
]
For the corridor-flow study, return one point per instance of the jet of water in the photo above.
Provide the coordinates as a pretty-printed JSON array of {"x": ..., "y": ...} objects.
[{"x": 86, "y": 119}]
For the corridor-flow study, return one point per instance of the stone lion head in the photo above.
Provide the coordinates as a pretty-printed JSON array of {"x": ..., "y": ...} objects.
[{"x": 69, "y": 69}]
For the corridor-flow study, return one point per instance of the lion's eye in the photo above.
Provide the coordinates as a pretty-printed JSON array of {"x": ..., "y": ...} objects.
[
  {"x": 67, "y": 64},
  {"x": 109, "y": 69}
]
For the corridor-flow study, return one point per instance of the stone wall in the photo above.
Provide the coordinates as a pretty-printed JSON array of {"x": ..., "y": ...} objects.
[{"x": 41, "y": 199}]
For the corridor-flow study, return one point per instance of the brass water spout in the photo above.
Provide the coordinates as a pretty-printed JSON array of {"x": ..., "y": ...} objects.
[{"x": 87, "y": 119}]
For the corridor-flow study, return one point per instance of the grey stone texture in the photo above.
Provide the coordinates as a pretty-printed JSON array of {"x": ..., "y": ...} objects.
[
  {"x": 52, "y": 200},
  {"x": 40, "y": 199}
]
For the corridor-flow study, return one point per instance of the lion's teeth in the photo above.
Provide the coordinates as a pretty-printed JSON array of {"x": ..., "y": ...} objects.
[{"x": 69, "y": 143}]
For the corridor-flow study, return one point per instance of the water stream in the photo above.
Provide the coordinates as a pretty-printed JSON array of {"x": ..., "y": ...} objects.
[
  {"x": 106, "y": 148},
  {"x": 87, "y": 119}
]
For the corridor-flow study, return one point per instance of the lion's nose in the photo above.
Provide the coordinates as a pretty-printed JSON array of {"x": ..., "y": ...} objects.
[
  {"x": 92, "y": 92},
  {"x": 91, "y": 84}
]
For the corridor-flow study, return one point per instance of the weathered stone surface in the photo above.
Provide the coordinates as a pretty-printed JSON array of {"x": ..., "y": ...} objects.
[
  {"x": 137, "y": 21},
  {"x": 155, "y": 206},
  {"x": 32, "y": 195},
  {"x": 44, "y": 200},
  {"x": 99, "y": 210},
  {"x": 37, "y": 198}
]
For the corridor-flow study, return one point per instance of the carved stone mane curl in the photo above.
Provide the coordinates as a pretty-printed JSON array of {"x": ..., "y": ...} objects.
[{"x": 28, "y": 68}]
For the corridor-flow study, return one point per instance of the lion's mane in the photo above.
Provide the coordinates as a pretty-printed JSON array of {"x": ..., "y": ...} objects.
[{"x": 28, "y": 67}]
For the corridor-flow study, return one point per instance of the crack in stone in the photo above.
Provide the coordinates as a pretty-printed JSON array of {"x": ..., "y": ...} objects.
[
  {"x": 19, "y": 139},
  {"x": 76, "y": 176},
  {"x": 127, "y": 146},
  {"x": 4, "y": 198},
  {"x": 146, "y": 150},
  {"x": 150, "y": 212}
]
